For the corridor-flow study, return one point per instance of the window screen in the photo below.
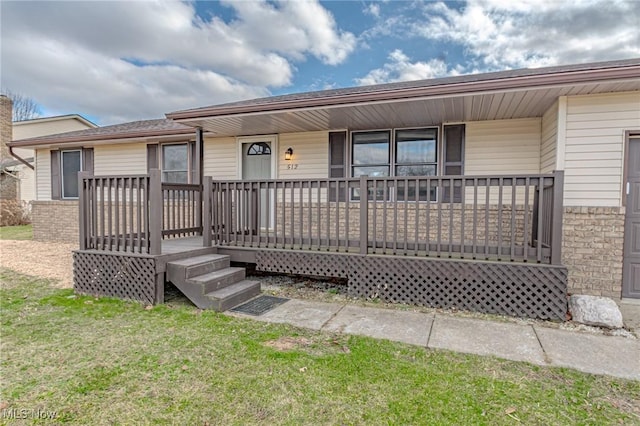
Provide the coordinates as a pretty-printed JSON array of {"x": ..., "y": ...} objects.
[
  {"x": 71, "y": 165},
  {"x": 454, "y": 158}
]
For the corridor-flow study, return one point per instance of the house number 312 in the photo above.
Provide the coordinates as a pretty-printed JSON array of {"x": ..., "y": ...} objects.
[{"x": 292, "y": 166}]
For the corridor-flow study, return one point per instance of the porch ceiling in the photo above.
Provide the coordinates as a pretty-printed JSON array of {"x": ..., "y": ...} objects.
[{"x": 432, "y": 110}]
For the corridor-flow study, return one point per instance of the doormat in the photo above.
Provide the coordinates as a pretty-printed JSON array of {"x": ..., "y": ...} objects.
[{"x": 259, "y": 305}]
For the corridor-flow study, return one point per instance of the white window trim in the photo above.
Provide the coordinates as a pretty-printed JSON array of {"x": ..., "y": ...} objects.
[
  {"x": 275, "y": 153},
  {"x": 62, "y": 152}
]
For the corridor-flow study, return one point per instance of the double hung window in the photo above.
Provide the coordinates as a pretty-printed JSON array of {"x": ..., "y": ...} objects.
[
  {"x": 175, "y": 163},
  {"x": 70, "y": 165}
]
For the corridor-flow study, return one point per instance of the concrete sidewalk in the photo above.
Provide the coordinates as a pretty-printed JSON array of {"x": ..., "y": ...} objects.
[{"x": 591, "y": 353}]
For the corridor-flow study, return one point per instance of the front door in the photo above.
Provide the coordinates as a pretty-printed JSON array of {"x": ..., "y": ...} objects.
[
  {"x": 256, "y": 165},
  {"x": 631, "y": 262}
]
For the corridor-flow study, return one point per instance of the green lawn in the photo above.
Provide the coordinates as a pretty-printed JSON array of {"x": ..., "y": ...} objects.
[
  {"x": 111, "y": 362},
  {"x": 21, "y": 232}
]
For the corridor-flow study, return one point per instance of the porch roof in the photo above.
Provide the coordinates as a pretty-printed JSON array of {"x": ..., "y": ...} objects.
[
  {"x": 135, "y": 131},
  {"x": 491, "y": 96}
]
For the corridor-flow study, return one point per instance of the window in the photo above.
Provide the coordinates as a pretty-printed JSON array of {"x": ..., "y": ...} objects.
[
  {"x": 175, "y": 163},
  {"x": 371, "y": 153},
  {"x": 402, "y": 152},
  {"x": 416, "y": 156},
  {"x": 65, "y": 165},
  {"x": 70, "y": 165},
  {"x": 259, "y": 148},
  {"x": 416, "y": 152}
]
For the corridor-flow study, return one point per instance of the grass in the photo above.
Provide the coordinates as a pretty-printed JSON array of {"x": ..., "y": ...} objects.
[
  {"x": 20, "y": 232},
  {"x": 105, "y": 361}
]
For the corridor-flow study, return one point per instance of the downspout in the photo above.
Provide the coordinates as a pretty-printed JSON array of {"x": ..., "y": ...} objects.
[{"x": 20, "y": 159}]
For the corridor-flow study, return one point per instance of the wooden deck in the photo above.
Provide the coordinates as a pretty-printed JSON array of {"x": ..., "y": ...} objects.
[
  {"x": 484, "y": 243},
  {"x": 181, "y": 245}
]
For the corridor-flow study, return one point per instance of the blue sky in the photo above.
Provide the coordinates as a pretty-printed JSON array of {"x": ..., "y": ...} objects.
[{"x": 121, "y": 61}]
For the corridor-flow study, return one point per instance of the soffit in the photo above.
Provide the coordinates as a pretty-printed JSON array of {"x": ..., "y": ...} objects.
[{"x": 498, "y": 105}]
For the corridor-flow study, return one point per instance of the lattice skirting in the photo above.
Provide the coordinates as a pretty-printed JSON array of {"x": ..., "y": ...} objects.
[
  {"x": 125, "y": 277},
  {"x": 522, "y": 290},
  {"x": 303, "y": 263}
]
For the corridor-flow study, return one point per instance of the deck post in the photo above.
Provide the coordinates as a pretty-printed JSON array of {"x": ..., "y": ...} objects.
[
  {"x": 364, "y": 215},
  {"x": 159, "y": 291},
  {"x": 82, "y": 210},
  {"x": 156, "y": 211},
  {"x": 557, "y": 212},
  {"x": 206, "y": 211}
]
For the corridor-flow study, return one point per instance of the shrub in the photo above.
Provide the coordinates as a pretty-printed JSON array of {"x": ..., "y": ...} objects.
[{"x": 14, "y": 212}]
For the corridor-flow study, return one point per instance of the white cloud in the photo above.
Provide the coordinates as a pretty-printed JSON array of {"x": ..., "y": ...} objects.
[
  {"x": 114, "y": 90},
  {"x": 499, "y": 34},
  {"x": 130, "y": 60},
  {"x": 372, "y": 9},
  {"x": 400, "y": 68}
]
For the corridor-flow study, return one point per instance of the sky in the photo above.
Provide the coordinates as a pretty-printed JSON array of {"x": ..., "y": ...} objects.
[{"x": 119, "y": 61}]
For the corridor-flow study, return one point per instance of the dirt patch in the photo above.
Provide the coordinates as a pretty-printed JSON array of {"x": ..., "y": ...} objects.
[
  {"x": 46, "y": 260},
  {"x": 318, "y": 345},
  {"x": 287, "y": 343}
]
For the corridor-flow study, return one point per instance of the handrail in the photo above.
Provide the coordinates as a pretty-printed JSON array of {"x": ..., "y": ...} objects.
[{"x": 490, "y": 217}]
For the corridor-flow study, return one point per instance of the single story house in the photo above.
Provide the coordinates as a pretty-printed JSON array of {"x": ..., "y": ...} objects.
[{"x": 499, "y": 192}]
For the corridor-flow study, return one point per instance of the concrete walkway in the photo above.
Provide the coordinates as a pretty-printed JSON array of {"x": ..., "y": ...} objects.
[{"x": 596, "y": 354}]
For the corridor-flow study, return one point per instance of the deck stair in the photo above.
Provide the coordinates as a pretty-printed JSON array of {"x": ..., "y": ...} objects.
[{"x": 210, "y": 283}]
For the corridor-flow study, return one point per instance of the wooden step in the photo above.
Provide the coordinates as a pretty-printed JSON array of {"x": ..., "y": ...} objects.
[
  {"x": 210, "y": 283},
  {"x": 199, "y": 265},
  {"x": 233, "y": 295},
  {"x": 218, "y": 279}
]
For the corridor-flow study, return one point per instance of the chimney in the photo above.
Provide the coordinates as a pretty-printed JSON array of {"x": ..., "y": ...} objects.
[{"x": 6, "y": 128}]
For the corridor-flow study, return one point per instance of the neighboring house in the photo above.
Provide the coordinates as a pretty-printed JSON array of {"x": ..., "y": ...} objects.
[
  {"x": 34, "y": 128},
  {"x": 496, "y": 192}
]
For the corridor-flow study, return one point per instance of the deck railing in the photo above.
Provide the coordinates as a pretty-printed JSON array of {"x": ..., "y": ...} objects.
[
  {"x": 503, "y": 218},
  {"x": 182, "y": 208},
  {"x": 500, "y": 218},
  {"x": 134, "y": 213}
]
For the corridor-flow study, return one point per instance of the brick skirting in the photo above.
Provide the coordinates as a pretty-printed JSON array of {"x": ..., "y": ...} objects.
[
  {"x": 592, "y": 250},
  {"x": 55, "y": 221}
]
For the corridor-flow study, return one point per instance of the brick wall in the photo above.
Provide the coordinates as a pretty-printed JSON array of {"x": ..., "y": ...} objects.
[
  {"x": 437, "y": 222},
  {"x": 593, "y": 239},
  {"x": 6, "y": 126},
  {"x": 8, "y": 184},
  {"x": 8, "y": 187},
  {"x": 55, "y": 221}
]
